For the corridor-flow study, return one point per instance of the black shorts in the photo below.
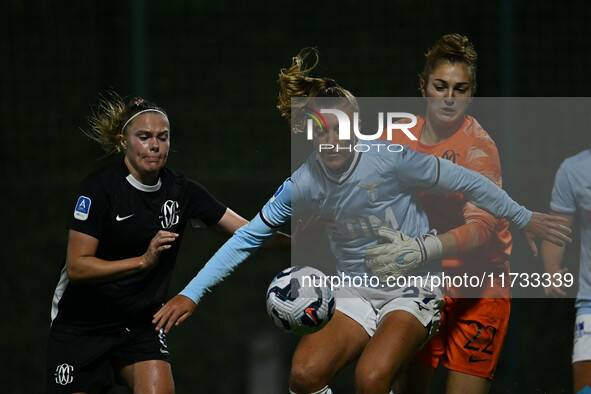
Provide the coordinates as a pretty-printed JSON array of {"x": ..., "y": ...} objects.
[{"x": 78, "y": 362}]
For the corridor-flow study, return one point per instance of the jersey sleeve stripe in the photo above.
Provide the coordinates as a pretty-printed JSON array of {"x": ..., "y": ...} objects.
[
  {"x": 268, "y": 223},
  {"x": 437, "y": 171}
]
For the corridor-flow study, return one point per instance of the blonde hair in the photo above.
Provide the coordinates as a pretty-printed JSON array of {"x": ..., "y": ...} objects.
[
  {"x": 452, "y": 48},
  {"x": 108, "y": 119},
  {"x": 295, "y": 82}
]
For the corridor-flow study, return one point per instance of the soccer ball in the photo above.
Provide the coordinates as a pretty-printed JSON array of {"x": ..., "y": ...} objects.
[{"x": 298, "y": 300}]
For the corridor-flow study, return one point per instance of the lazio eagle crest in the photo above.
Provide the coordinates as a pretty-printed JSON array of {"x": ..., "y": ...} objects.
[{"x": 372, "y": 189}]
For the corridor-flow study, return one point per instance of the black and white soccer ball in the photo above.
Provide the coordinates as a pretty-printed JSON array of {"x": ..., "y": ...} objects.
[{"x": 299, "y": 300}]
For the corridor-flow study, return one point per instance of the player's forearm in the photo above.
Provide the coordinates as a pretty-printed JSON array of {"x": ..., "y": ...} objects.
[
  {"x": 449, "y": 245},
  {"x": 90, "y": 269},
  {"x": 472, "y": 236},
  {"x": 552, "y": 256}
]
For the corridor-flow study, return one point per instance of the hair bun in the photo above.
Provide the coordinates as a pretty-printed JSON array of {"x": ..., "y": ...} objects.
[
  {"x": 330, "y": 83},
  {"x": 454, "y": 48}
]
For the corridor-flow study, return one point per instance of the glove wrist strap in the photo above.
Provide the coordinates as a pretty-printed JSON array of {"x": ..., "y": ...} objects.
[{"x": 433, "y": 248}]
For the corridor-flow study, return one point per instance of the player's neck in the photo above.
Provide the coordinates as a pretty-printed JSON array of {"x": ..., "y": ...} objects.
[{"x": 149, "y": 178}]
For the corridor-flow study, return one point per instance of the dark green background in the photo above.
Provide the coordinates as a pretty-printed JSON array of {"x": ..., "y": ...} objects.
[{"x": 213, "y": 66}]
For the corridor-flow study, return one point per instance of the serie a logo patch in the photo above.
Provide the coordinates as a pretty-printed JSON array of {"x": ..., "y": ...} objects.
[{"x": 82, "y": 208}]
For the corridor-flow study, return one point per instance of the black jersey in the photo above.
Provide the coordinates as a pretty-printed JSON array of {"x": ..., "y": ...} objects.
[{"x": 124, "y": 215}]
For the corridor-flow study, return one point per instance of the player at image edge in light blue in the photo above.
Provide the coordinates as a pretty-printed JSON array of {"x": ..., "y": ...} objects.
[{"x": 571, "y": 197}]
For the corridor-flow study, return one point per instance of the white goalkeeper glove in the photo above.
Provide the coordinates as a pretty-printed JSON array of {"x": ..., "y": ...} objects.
[{"x": 402, "y": 253}]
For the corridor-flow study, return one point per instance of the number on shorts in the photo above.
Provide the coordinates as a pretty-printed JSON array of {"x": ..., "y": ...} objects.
[
  {"x": 481, "y": 327},
  {"x": 411, "y": 292}
]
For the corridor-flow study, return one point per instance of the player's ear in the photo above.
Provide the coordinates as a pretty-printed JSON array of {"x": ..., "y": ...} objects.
[
  {"x": 122, "y": 143},
  {"x": 422, "y": 87}
]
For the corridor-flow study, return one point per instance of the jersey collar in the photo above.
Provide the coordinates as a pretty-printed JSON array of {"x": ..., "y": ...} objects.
[
  {"x": 339, "y": 179},
  {"x": 144, "y": 188}
]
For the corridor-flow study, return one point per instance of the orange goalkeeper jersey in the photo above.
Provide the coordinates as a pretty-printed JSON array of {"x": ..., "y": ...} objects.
[{"x": 471, "y": 147}]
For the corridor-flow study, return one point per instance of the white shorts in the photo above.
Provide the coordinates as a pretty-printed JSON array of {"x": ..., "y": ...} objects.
[
  {"x": 582, "y": 342},
  {"x": 368, "y": 306}
]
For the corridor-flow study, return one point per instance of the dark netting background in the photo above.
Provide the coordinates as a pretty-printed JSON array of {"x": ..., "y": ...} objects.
[{"x": 213, "y": 66}]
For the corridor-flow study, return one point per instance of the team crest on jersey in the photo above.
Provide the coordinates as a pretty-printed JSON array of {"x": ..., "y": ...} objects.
[
  {"x": 450, "y": 155},
  {"x": 372, "y": 189},
  {"x": 169, "y": 214},
  {"x": 64, "y": 374},
  {"x": 82, "y": 208}
]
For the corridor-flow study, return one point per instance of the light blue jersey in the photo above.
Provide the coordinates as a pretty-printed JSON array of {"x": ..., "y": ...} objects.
[
  {"x": 378, "y": 189},
  {"x": 571, "y": 195}
]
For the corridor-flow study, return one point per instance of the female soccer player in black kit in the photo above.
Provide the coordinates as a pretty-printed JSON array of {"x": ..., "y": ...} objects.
[{"x": 124, "y": 237}]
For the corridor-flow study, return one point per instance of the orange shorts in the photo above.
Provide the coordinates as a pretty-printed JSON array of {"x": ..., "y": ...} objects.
[{"x": 471, "y": 336}]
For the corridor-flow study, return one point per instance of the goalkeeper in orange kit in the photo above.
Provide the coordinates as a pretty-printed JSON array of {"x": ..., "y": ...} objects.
[{"x": 474, "y": 322}]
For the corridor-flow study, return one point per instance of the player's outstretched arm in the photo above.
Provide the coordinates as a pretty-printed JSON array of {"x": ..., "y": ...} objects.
[
  {"x": 245, "y": 241},
  {"x": 486, "y": 195},
  {"x": 403, "y": 253}
]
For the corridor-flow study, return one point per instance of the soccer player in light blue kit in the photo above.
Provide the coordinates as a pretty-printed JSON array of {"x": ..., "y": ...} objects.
[
  {"x": 571, "y": 196},
  {"x": 381, "y": 327}
]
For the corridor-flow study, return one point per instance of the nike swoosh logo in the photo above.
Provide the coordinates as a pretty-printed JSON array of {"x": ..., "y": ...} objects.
[
  {"x": 476, "y": 360},
  {"x": 118, "y": 218}
]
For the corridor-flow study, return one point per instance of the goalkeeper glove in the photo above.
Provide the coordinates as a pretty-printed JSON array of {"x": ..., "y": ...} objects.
[{"x": 402, "y": 253}]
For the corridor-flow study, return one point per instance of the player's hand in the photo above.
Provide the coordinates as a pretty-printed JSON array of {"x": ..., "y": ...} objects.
[
  {"x": 161, "y": 242},
  {"x": 401, "y": 254},
  {"x": 550, "y": 228},
  {"x": 556, "y": 291},
  {"x": 173, "y": 313}
]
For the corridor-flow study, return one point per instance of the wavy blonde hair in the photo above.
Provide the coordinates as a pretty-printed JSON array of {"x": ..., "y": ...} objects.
[
  {"x": 294, "y": 82},
  {"x": 110, "y": 115},
  {"x": 452, "y": 48}
]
